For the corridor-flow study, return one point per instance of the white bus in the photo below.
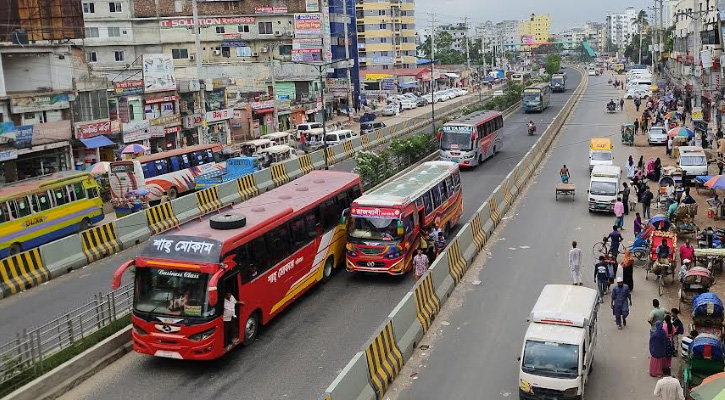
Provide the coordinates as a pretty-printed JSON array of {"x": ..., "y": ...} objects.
[{"x": 470, "y": 140}]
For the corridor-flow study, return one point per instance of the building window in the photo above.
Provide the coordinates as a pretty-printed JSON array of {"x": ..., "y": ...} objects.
[
  {"x": 179, "y": 54},
  {"x": 383, "y": 26},
  {"x": 89, "y": 8},
  {"x": 114, "y": 32},
  {"x": 219, "y": 29},
  {"x": 244, "y": 51},
  {"x": 118, "y": 55},
  {"x": 265, "y": 28},
  {"x": 243, "y": 28},
  {"x": 114, "y": 7},
  {"x": 91, "y": 32},
  {"x": 226, "y": 52},
  {"x": 285, "y": 50},
  {"x": 90, "y": 106},
  {"x": 91, "y": 56}
]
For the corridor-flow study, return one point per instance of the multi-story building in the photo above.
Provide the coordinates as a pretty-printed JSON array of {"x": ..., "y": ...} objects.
[
  {"x": 508, "y": 35},
  {"x": 458, "y": 32},
  {"x": 621, "y": 27},
  {"x": 487, "y": 34},
  {"x": 386, "y": 34},
  {"x": 589, "y": 32},
  {"x": 536, "y": 30}
]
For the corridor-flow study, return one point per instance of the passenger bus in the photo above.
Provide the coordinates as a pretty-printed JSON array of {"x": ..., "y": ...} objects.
[
  {"x": 470, "y": 140},
  {"x": 520, "y": 77},
  {"x": 385, "y": 226},
  {"x": 168, "y": 173},
  {"x": 266, "y": 252},
  {"x": 38, "y": 211},
  {"x": 537, "y": 97}
]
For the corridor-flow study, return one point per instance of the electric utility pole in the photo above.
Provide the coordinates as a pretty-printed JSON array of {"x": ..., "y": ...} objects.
[
  {"x": 432, "y": 69},
  {"x": 204, "y": 129},
  {"x": 468, "y": 55}
]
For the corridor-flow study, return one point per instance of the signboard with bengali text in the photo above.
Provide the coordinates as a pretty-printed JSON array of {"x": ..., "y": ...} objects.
[
  {"x": 158, "y": 73},
  {"x": 375, "y": 212},
  {"x": 85, "y": 130},
  {"x": 308, "y": 25},
  {"x": 206, "y": 21}
]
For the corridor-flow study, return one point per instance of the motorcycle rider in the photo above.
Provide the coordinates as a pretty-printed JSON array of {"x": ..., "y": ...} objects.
[
  {"x": 611, "y": 105},
  {"x": 532, "y": 127}
]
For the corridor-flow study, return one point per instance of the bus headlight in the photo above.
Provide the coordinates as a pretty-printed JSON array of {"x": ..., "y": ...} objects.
[{"x": 202, "y": 335}]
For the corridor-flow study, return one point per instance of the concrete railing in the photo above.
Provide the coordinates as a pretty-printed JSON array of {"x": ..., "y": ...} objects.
[{"x": 370, "y": 372}]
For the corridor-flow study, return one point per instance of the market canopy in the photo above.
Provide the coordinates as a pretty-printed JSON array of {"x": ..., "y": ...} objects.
[
  {"x": 408, "y": 85},
  {"x": 97, "y": 141},
  {"x": 452, "y": 75}
]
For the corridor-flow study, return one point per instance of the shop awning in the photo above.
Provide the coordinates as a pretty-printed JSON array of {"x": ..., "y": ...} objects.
[
  {"x": 97, "y": 141},
  {"x": 408, "y": 85}
]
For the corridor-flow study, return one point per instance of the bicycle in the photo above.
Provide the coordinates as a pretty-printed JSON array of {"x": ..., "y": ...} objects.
[{"x": 602, "y": 249}]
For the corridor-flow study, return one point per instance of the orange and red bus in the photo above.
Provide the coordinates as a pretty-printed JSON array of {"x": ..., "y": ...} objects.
[
  {"x": 472, "y": 139},
  {"x": 266, "y": 252},
  {"x": 385, "y": 225}
]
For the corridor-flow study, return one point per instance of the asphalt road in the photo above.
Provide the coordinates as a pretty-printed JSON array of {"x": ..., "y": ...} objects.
[
  {"x": 299, "y": 354},
  {"x": 474, "y": 345}
]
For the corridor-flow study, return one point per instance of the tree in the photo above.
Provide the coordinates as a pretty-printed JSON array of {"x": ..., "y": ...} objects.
[
  {"x": 444, "y": 52},
  {"x": 553, "y": 63}
]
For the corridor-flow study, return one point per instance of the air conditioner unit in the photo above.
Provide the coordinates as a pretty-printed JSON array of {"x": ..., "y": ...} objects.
[
  {"x": 217, "y": 52},
  {"x": 264, "y": 50},
  {"x": 255, "y": 54},
  {"x": 192, "y": 57},
  {"x": 277, "y": 33}
]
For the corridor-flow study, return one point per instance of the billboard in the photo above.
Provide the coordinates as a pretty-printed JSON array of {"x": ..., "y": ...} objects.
[
  {"x": 205, "y": 21},
  {"x": 308, "y": 25},
  {"x": 158, "y": 73},
  {"x": 307, "y": 55}
]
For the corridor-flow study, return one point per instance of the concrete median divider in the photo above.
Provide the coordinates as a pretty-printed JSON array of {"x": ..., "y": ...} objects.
[
  {"x": 348, "y": 149},
  {"x": 442, "y": 280},
  {"x": 457, "y": 264},
  {"x": 487, "y": 222},
  {"x": 229, "y": 192},
  {"x": 207, "y": 200},
  {"x": 263, "y": 180},
  {"x": 427, "y": 303},
  {"x": 406, "y": 326},
  {"x": 382, "y": 138},
  {"x": 384, "y": 359},
  {"x": 184, "y": 209},
  {"x": 306, "y": 165},
  {"x": 247, "y": 187},
  {"x": 294, "y": 168},
  {"x": 279, "y": 174},
  {"x": 132, "y": 229},
  {"x": 63, "y": 255},
  {"x": 356, "y": 144},
  {"x": 21, "y": 272},
  {"x": 318, "y": 159},
  {"x": 100, "y": 242},
  {"x": 477, "y": 232},
  {"x": 353, "y": 381},
  {"x": 161, "y": 218},
  {"x": 366, "y": 144},
  {"x": 469, "y": 249}
]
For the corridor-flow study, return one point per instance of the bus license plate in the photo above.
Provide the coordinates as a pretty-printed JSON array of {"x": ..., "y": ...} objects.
[
  {"x": 168, "y": 354},
  {"x": 601, "y": 206}
]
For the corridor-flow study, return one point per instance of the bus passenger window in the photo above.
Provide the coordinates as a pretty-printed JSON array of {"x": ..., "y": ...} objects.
[
  {"x": 185, "y": 161},
  {"x": 161, "y": 167},
  {"x": 343, "y": 201},
  {"x": 198, "y": 157},
  {"x": 209, "y": 156},
  {"x": 22, "y": 206},
  {"x": 279, "y": 241},
  {"x": 174, "y": 164},
  {"x": 436, "y": 197},
  {"x": 148, "y": 170},
  {"x": 91, "y": 193},
  {"x": 456, "y": 181},
  {"x": 408, "y": 223},
  {"x": 330, "y": 215},
  {"x": 311, "y": 224},
  {"x": 450, "y": 186},
  {"x": 248, "y": 271},
  {"x": 356, "y": 192},
  {"x": 218, "y": 157},
  {"x": 427, "y": 203},
  {"x": 299, "y": 233},
  {"x": 258, "y": 255},
  {"x": 44, "y": 201},
  {"x": 78, "y": 190},
  {"x": 4, "y": 216},
  {"x": 61, "y": 196},
  {"x": 444, "y": 191}
]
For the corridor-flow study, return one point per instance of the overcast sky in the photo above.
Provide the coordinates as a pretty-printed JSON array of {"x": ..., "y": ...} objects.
[{"x": 564, "y": 13}]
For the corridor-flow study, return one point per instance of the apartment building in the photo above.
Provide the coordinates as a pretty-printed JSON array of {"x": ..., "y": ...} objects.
[
  {"x": 535, "y": 30},
  {"x": 458, "y": 32},
  {"x": 386, "y": 34},
  {"x": 621, "y": 27},
  {"x": 508, "y": 35}
]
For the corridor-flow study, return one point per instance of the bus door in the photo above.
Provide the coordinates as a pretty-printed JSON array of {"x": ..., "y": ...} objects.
[{"x": 231, "y": 284}]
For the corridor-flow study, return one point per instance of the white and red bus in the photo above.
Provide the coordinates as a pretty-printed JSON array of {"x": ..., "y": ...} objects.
[
  {"x": 266, "y": 252},
  {"x": 470, "y": 140},
  {"x": 385, "y": 225},
  {"x": 167, "y": 173}
]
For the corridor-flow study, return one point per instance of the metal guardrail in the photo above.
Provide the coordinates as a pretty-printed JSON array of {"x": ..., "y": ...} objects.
[{"x": 31, "y": 352}]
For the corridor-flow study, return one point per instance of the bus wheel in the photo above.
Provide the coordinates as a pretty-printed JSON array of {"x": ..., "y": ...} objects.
[
  {"x": 328, "y": 269},
  {"x": 84, "y": 225},
  {"x": 173, "y": 193},
  {"x": 15, "y": 248},
  {"x": 251, "y": 327}
]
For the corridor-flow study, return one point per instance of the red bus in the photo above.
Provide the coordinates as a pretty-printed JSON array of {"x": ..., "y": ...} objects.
[
  {"x": 472, "y": 139},
  {"x": 385, "y": 224},
  {"x": 266, "y": 252}
]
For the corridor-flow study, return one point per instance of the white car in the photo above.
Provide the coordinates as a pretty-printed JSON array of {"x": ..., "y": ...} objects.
[
  {"x": 462, "y": 92},
  {"x": 592, "y": 72},
  {"x": 408, "y": 104},
  {"x": 498, "y": 93},
  {"x": 657, "y": 135},
  {"x": 390, "y": 110},
  {"x": 448, "y": 94},
  {"x": 638, "y": 91}
]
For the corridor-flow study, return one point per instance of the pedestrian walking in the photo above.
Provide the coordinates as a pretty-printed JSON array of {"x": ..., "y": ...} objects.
[
  {"x": 229, "y": 317},
  {"x": 440, "y": 244},
  {"x": 721, "y": 147},
  {"x": 658, "y": 350},
  {"x": 670, "y": 144},
  {"x": 431, "y": 244},
  {"x": 668, "y": 387},
  {"x": 621, "y": 301},
  {"x": 621, "y": 104},
  {"x": 636, "y": 126},
  {"x": 679, "y": 327},
  {"x": 601, "y": 277},
  {"x": 637, "y": 103},
  {"x": 420, "y": 263},
  {"x": 628, "y": 269},
  {"x": 619, "y": 213},
  {"x": 625, "y": 197},
  {"x": 656, "y": 315},
  {"x": 637, "y": 224},
  {"x": 671, "y": 331},
  {"x": 640, "y": 163},
  {"x": 575, "y": 263},
  {"x": 720, "y": 165},
  {"x": 646, "y": 202}
]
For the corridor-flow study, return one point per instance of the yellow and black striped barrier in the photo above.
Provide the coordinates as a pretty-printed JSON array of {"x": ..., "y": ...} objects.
[
  {"x": 493, "y": 208},
  {"x": 381, "y": 137},
  {"x": 365, "y": 140},
  {"x": 456, "y": 263},
  {"x": 384, "y": 360},
  {"x": 22, "y": 271},
  {"x": 279, "y": 175},
  {"x": 508, "y": 198},
  {"x": 330, "y": 153},
  {"x": 208, "y": 200},
  {"x": 427, "y": 304},
  {"x": 306, "y": 164},
  {"x": 161, "y": 218},
  {"x": 517, "y": 177},
  {"x": 479, "y": 235},
  {"x": 247, "y": 187},
  {"x": 100, "y": 242},
  {"x": 348, "y": 149}
]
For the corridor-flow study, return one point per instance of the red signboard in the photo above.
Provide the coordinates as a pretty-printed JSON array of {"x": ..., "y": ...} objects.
[
  {"x": 173, "y": 129},
  {"x": 165, "y": 99},
  {"x": 186, "y": 22},
  {"x": 87, "y": 130},
  {"x": 270, "y": 10},
  {"x": 374, "y": 212}
]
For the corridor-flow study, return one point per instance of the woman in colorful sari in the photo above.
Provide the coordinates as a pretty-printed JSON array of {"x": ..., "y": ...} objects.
[{"x": 657, "y": 350}]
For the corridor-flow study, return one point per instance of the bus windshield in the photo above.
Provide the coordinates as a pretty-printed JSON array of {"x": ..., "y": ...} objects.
[
  {"x": 456, "y": 140},
  {"x": 557, "y": 79},
  {"x": 163, "y": 291},
  {"x": 555, "y": 360},
  {"x": 381, "y": 229},
  {"x": 531, "y": 95}
]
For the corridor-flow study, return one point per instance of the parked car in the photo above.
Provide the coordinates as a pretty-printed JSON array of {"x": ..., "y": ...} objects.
[
  {"x": 390, "y": 110},
  {"x": 408, "y": 104},
  {"x": 461, "y": 92},
  {"x": 421, "y": 101},
  {"x": 498, "y": 93},
  {"x": 371, "y": 126},
  {"x": 431, "y": 97},
  {"x": 336, "y": 137},
  {"x": 657, "y": 135},
  {"x": 638, "y": 91},
  {"x": 410, "y": 96}
]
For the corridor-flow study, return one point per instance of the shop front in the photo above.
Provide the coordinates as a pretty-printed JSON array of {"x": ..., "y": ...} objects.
[
  {"x": 94, "y": 143},
  {"x": 165, "y": 136},
  {"x": 26, "y": 163},
  {"x": 218, "y": 125},
  {"x": 263, "y": 115}
]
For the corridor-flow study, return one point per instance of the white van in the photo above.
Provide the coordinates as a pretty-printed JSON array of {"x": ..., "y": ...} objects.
[
  {"x": 279, "y": 138},
  {"x": 558, "y": 350},
  {"x": 336, "y": 137},
  {"x": 316, "y": 127},
  {"x": 604, "y": 187},
  {"x": 692, "y": 160}
]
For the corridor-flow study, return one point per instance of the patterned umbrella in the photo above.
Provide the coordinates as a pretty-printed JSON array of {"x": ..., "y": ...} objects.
[
  {"x": 134, "y": 149},
  {"x": 99, "y": 168},
  {"x": 716, "y": 182},
  {"x": 711, "y": 388},
  {"x": 681, "y": 132}
]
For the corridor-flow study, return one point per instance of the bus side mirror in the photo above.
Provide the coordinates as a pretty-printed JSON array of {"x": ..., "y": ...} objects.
[
  {"x": 343, "y": 217},
  {"x": 119, "y": 273},
  {"x": 213, "y": 287}
]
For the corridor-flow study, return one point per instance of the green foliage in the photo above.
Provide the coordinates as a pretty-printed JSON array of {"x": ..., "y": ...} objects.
[
  {"x": 553, "y": 63},
  {"x": 511, "y": 96}
]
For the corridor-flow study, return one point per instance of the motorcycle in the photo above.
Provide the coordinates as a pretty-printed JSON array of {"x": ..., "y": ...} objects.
[
  {"x": 611, "y": 108},
  {"x": 531, "y": 129}
]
